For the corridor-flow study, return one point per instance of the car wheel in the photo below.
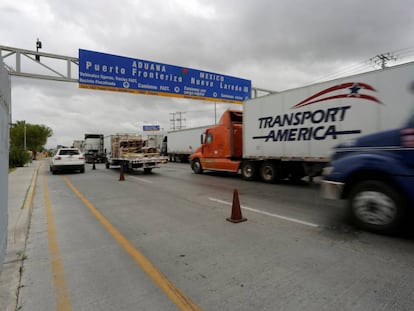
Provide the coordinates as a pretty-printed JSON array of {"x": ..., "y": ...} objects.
[
  {"x": 196, "y": 166},
  {"x": 376, "y": 206},
  {"x": 82, "y": 170},
  {"x": 248, "y": 170}
]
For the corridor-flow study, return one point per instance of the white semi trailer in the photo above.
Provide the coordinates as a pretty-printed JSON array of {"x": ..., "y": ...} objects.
[{"x": 182, "y": 143}]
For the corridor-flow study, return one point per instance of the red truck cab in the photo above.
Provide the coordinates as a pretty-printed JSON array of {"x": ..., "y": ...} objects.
[{"x": 222, "y": 145}]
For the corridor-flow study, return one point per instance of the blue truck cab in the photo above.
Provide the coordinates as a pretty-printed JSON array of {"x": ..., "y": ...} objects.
[{"x": 375, "y": 175}]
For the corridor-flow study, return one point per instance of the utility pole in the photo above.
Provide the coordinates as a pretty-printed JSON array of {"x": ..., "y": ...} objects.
[
  {"x": 382, "y": 59},
  {"x": 180, "y": 120},
  {"x": 176, "y": 119},
  {"x": 172, "y": 126},
  {"x": 24, "y": 136}
]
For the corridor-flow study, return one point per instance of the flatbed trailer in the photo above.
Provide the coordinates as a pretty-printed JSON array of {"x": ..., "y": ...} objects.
[{"x": 130, "y": 152}]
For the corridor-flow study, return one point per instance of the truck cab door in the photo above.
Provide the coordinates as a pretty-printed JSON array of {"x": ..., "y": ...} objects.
[
  {"x": 210, "y": 150},
  {"x": 211, "y": 146}
]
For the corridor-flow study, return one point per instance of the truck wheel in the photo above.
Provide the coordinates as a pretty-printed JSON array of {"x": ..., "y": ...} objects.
[
  {"x": 248, "y": 170},
  {"x": 376, "y": 206},
  {"x": 269, "y": 172},
  {"x": 196, "y": 166},
  {"x": 147, "y": 170}
]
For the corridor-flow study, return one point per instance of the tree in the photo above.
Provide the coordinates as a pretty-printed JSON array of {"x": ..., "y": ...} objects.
[
  {"x": 26, "y": 137},
  {"x": 33, "y": 135}
]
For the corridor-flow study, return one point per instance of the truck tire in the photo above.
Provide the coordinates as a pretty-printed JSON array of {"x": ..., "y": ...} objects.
[
  {"x": 269, "y": 172},
  {"x": 376, "y": 206},
  {"x": 248, "y": 170},
  {"x": 147, "y": 170},
  {"x": 196, "y": 166}
]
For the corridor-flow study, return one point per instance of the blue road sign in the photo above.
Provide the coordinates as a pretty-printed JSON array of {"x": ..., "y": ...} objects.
[
  {"x": 117, "y": 73},
  {"x": 151, "y": 128}
]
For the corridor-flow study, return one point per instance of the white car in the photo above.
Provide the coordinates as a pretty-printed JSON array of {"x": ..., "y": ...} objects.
[{"x": 67, "y": 159}]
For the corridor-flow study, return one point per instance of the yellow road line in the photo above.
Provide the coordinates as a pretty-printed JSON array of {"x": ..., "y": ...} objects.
[
  {"x": 176, "y": 296},
  {"x": 30, "y": 194},
  {"x": 62, "y": 297}
]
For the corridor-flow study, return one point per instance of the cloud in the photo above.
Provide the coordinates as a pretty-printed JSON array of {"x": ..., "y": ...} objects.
[{"x": 276, "y": 44}]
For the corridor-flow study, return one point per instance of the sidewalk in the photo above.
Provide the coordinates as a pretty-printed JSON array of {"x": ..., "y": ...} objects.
[{"x": 22, "y": 184}]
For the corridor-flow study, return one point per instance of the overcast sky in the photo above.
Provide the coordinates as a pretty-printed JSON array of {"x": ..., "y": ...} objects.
[{"x": 277, "y": 45}]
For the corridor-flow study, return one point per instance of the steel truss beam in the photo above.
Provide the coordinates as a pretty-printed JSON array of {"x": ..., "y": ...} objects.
[{"x": 52, "y": 72}]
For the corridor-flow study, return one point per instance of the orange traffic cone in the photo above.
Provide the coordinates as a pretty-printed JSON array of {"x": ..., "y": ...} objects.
[
  {"x": 121, "y": 173},
  {"x": 236, "y": 215}
]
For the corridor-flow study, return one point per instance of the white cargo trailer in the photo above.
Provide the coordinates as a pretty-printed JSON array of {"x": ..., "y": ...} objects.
[{"x": 182, "y": 143}]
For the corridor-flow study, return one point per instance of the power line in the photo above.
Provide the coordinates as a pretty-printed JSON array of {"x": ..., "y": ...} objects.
[{"x": 364, "y": 66}]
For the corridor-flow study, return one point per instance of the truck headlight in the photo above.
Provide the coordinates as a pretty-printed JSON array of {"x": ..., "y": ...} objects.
[{"x": 327, "y": 170}]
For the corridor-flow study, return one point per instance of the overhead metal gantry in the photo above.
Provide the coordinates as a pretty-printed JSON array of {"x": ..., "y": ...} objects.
[{"x": 56, "y": 67}]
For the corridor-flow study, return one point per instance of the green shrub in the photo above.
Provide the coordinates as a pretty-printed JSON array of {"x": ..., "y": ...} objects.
[{"x": 18, "y": 157}]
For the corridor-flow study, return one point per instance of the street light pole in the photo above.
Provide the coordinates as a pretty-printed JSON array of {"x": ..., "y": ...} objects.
[{"x": 24, "y": 139}]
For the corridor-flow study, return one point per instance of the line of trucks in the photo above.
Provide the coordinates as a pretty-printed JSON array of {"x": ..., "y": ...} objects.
[
  {"x": 357, "y": 131},
  {"x": 130, "y": 151}
]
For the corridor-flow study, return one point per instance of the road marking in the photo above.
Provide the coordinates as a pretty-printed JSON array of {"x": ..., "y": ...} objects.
[
  {"x": 28, "y": 202},
  {"x": 175, "y": 295},
  {"x": 62, "y": 297},
  {"x": 268, "y": 214},
  {"x": 141, "y": 179}
]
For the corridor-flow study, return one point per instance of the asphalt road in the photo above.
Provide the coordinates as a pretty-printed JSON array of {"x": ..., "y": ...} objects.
[{"x": 161, "y": 242}]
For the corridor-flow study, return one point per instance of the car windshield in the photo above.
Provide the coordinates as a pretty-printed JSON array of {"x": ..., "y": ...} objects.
[{"x": 69, "y": 152}]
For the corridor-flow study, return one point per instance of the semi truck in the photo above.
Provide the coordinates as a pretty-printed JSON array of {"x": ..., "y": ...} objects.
[
  {"x": 131, "y": 152},
  {"x": 290, "y": 134},
  {"x": 374, "y": 174},
  {"x": 93, "y": 148},
  {"x": 180, "y": 144},
  {"x": 78, "y": 144}
]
